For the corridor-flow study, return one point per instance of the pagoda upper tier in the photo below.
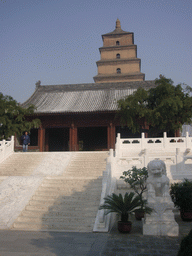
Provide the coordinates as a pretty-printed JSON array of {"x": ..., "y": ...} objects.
[{"x": 119, "y": 62}]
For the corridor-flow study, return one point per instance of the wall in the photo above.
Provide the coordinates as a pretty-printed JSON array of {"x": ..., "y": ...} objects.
[
  {"x": 176, "y": 152},
  {"x": 126, "y": 67},
  {"x": 123, "y": 40},
  {"x": 6, "y": 148},
  {"x": 124, "y": 54}
]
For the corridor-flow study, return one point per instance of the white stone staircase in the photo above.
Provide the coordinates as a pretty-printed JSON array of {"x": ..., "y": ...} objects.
[{"x": 67, "y": 202}]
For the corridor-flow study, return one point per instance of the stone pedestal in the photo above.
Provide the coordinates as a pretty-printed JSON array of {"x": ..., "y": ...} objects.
[{"x": 161, "y": 222}]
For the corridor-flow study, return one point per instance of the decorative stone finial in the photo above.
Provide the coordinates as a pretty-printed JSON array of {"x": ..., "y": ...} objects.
[
  {"x": 38, "y": 83},
  {"x": 118, "y": 24}
]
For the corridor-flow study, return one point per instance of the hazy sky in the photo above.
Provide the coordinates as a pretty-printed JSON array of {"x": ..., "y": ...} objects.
[{"x": 57, "y": 41}]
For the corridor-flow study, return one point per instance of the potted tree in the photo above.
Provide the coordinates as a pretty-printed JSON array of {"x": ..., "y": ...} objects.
[
  {"x": 181, "y": 194},
  {"x": 136, "y": 178},
  {"x": 123, "y": 206}
]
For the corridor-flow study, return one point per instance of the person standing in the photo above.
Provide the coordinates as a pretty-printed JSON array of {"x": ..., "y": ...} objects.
[{"x": 25, "y": 141}]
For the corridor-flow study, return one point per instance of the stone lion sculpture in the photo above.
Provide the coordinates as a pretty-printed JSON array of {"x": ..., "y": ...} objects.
[
  {"x": 161, "y": 221},
  {"x": 157, "y": 182}
]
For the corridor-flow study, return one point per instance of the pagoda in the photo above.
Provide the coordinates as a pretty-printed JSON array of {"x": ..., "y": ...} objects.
[{"x": 119, "y": 62}]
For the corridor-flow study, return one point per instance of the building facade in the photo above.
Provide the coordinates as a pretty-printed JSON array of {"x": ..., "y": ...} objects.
[{"x": 83, "y": 116}]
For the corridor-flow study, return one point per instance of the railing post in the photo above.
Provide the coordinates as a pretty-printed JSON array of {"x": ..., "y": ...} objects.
[
  {"x": 117, "y": 146},
  {"x": 110, "y": 155},
  {"x": 187, "y": 139},
  {"x": 179, "y": 161},
  {"x": 142, "y": 140},
  {"x": 12, "y": 143},
  {"x": 3, "y": 148},
  {"x": 165, "y": 140}
]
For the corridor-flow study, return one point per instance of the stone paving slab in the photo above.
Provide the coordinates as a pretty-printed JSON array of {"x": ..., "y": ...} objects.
[
  {"x": 26, "y": 243},
  {"x": 19, "y": 243}
]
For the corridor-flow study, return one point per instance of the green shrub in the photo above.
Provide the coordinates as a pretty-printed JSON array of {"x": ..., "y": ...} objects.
[
  {"x": 186, "y": 246},
  {"x": 181, "y": 194}
]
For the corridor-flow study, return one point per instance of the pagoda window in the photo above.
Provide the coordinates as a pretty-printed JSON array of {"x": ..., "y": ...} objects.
[
  {"x": 118, "y": 56},
  {"x": 118, "y": 71},
  {"x": 117, "y": 43}
]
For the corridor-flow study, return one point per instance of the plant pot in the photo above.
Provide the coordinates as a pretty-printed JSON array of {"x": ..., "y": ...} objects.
[
  {"x": 139, "y": 214},
  {"x": 124, "y": 227},
  {"x": 186, "y": 215}
]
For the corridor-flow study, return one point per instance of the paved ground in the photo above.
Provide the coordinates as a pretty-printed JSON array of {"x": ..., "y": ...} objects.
[{"x": 22, "y": 243}]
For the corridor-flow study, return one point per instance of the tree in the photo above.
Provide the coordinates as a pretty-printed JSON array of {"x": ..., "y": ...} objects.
[
  {"x": 136, "y": 178},
  {"x": 164, "y": 108},
  {"x": 14, "y": 118}
]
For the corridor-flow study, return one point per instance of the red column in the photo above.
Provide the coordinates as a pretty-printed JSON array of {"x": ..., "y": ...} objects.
[
  {"x": 111, "y": 136},
  {"x": 73, "y": 143},
  {"x": 41, "y": 138},
  {"x": 47, "y": 141},
  {"x": 145, "y": 127},
  {"x": 108, "y": 137},
  {"x": 177, "y": 133}
]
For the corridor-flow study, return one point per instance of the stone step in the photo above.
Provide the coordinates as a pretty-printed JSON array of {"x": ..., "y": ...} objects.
[
  {"x": 64, "y": 177},
  {"x": 15, "y": 173},
  {"x": 90, "y": 163},
  {"x": 60, "y": 208},
  {"x": 53, "y": 188},
  {"x": 85, "y": 170},
  {"x": 74, "y": 181},
  {"x": 65, "y": 189},
  {"x": 56, "y": 196},
  {"x": 54, "y": 214},
  {"x": 62, "y": 186},
  {"x": 87, "y": 164},
  {"x": 64, "y": 180},
  {"x": 54, "y": 227},
  {"x": 87, "y": 176},
  {"x": 17, "y": 166},
  {"x": 59, "y": 219},
  {"x": 63, "y": 203},
  {"x": 60, "y": 190}
]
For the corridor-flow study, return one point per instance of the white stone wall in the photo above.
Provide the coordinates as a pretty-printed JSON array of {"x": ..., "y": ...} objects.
[{"x": 176, "y": 152}]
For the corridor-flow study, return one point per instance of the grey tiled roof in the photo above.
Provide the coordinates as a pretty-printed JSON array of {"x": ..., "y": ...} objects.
[{"x": 75, "y": 98}]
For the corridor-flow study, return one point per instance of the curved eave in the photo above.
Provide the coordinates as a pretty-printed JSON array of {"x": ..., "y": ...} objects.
[
  {"x": 117, "y": 61},
  {"x": 117, "y": 32},
  {"x": 74, "y": 113},
  {"x": 118, "y": 47}
]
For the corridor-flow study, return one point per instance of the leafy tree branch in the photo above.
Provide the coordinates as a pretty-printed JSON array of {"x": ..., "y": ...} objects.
[
  {"x": 14, "y": 118},
  {"x": 164, "y": 108}
]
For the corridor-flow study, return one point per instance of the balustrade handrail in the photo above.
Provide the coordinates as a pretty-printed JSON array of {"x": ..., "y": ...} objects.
[
  {"x": 6, "y": 148},
  {"x": 108, "y": 186},
  {"x": 147, "y": 143}
]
